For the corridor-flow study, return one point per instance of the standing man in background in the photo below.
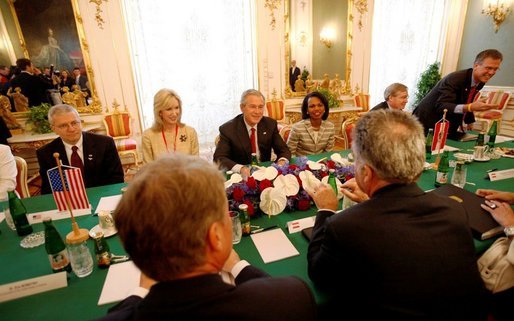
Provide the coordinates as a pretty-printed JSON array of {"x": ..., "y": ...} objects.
[
  {"x": 456, "y": 92},
  {"x": 294, "y": 72}
]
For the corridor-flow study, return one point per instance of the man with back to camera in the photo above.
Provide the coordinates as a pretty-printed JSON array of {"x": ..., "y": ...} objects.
[
  {"x": 184, "y": 240},
  {"x": 98, "y": 155},
  {"x": 396, "y": 96},
  {"x": 234, "y": 149},
  {"x": 32, "y": 82},
  {"x": 402, "y": 253},
  {"x": 456, "y": 92}
]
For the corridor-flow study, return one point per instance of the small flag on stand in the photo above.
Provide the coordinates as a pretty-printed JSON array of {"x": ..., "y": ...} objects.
[
  {"x": 440, "y": 134},
  {"x": 74, "y": 184}
]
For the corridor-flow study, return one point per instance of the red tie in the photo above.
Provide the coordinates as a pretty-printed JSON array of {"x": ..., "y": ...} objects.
[
  {"x": 471, "y": 94},
  {"x": 252, "y": 140},
  {"x": 75, "y": 159}
]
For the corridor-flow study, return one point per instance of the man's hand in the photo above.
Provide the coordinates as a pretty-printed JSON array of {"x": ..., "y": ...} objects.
[
  {"x": 481, "y": 105},
  {"x": 500, "y": 211},
  {"x": 324, "y": 197},
  {"x": 245, "y": 172},
  {"x": 351, "y": 189}
]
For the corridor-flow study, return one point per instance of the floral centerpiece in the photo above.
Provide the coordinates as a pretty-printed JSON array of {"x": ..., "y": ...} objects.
[{"x": 274, "y": 189}]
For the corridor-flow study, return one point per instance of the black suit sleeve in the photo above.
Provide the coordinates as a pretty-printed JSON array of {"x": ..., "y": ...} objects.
[
  {"x": 112, "y": 164},
  {"x": 122, "y": 311},
  {"x": 222, "y": 154}
]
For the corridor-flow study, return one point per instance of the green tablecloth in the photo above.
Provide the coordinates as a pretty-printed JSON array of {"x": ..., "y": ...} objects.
[{"x": 78, "y": 301}]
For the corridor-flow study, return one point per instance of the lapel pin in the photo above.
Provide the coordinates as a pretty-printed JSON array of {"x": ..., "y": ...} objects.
[{"x": 264, "y": 133}]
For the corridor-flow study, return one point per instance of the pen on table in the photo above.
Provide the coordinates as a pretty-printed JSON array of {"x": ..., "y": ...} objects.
[
  {"x": 491, "y": 170},
  {"x": 263, "y": 229}
]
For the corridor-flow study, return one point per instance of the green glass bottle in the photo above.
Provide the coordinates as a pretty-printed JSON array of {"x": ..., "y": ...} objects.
[
  {"x": 255, "y": 161},
  {"x": 428, "y": 144},
  {"x": 55, "y": 248},
  {"x": 480, "y": 139},
  {"x": 19, "y": 214},
  {"x": 441, "y": 177},
  {"x": 492, "y": 134},
  {"x": 332, "y": 180},
  {"x": 102, "y": 250},
  {"x": 244, "y": 217}
]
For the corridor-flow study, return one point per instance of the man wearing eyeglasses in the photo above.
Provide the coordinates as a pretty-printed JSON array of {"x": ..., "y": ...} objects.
[
  {"x": 95, "y": 154},
  {"x": 457, "y": 93}
]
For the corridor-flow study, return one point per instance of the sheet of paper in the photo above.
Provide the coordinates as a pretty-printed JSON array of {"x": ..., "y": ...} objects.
[
  {"x": 446, "y": 147},
  {"x": 2, "y": 217},
  {"x": 273, "y": 245},
  {"x": 20, "y": 289},
  {"x": 298, "y": 225},
  {"x": 498, "y": 175},
  {"x": 121, "y": 279},
  {"x": 55, "y": 215},
  {"x": 108, "y": 203}
]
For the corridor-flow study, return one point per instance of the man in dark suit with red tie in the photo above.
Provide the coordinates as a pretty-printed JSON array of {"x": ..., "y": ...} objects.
[
  {"x": 95, "y": 154},
  {"x": 237, "y": 143},
  {"x": 456, "y": 93}
]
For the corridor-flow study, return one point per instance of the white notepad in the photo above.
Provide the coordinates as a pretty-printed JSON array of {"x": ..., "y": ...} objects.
[
  {"x": 273, "y": 245},
  {"x": 108, "y": 203},
  {"x": 121, "y": 280}
]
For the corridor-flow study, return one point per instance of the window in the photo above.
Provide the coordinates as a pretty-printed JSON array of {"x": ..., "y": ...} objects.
[
  {"x": 202, "y": 49},
  {"x": 406, "y": 39}
]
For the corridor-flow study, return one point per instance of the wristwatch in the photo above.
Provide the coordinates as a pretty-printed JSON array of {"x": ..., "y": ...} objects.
[{"x": 509, "y": 230}]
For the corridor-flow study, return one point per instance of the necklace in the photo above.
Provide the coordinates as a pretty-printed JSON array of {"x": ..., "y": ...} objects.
[{"x": 175, "y": 141}]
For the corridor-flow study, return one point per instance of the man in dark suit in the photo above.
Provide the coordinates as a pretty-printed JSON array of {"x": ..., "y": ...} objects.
[
  {"x": 396, "y": 96},
  {"x": 294, "y": 72},
  {"x": 401, "y": 254},
  {"x": 456, "y": 93},
  {"x": 32, "y": 82},
  {"x": 234, "y": 149},
  {"x": 4, "y": 132},
  {"x": 98, "y": 155},
  {"x": 184, "y": 241},
  {"x": 80, "y": 79}
]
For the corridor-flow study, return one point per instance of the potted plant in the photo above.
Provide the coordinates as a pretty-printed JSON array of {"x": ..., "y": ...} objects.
[
  {"x": 331, "y": 98},
  {"x": 427, "y": 81},
  {"x": 38, "y": 119}
]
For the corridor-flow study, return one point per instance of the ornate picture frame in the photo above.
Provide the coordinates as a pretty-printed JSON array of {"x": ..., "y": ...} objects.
[{"x": 51, "y": 33}]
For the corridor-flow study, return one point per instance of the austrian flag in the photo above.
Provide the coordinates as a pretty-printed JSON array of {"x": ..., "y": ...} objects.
[{"x": 74, "y": 185}]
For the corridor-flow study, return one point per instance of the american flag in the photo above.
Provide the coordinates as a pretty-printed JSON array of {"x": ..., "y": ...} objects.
[{"x": 74, "y": 184}]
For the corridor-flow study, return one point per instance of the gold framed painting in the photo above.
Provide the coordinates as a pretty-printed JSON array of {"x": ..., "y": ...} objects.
[{"x": 51, "y": 33}]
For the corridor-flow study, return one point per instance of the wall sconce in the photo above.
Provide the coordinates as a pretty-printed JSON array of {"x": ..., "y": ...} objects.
[
  {"x": 327, "y": 36},
  {"x": 498, "y": 10}
]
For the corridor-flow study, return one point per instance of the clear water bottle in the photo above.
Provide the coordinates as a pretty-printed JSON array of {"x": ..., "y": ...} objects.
[
  {"x": 4, "y": 208},
  {"x": 459, "y": 174},
  {"x": 78, "y": 251}
]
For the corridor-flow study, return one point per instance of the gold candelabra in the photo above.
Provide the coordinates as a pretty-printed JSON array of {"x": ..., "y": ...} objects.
[{"x": 498, "y": 10}]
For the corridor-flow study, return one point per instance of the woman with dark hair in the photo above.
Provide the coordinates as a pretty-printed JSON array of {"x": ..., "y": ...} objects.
[{"x": 314, "y": 134}]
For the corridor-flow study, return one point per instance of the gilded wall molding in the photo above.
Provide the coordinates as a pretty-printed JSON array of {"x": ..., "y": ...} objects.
[
  {"x": 362, "y": 8},
  {"x": 272, "y": 5},
  {"x": 98, "y": 14}
]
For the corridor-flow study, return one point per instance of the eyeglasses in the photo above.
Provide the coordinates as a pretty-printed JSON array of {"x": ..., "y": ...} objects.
[{"x": 73, "y": 124}]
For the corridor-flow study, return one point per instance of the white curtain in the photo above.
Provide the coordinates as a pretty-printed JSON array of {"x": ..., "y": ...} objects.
[
  {"x": 202, "y": 49},
  {"x": 406, "y": 39}
]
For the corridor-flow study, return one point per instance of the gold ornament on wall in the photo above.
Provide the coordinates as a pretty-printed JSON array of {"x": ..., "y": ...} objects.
[
  {"x": 272, "y": 5},
  {"x": 98, "y": 15},
  {"x": 498, "y": 10},
  {"x": 362, "y": 8}
]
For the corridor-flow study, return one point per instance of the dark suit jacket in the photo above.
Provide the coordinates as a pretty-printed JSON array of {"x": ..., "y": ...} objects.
[
  {"x": 293, "y": 76},
  {"x": 102, "y": 165},
  {"x": 4, "y": 132},
  {"x": 33, "y": 87},
  {"x": 402, "y": 255},
  {"x": 82, "y": 82},
  {"x": 382, "y": 105},
  {"x": 234, "y": 146},
  {"x": 256, "y": 296},
  {"x": 449, "y": 92}
]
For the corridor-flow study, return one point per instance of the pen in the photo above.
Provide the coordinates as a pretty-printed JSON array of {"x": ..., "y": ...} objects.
[
  {"x": 263, "y": 229},
  {"x": 491, "y": 170}
]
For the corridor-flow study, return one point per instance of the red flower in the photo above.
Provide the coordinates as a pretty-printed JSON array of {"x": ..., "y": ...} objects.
[
  {"x": 251, "y": 183},
  {"x": 304, "y": 205},
  {"x": 251, "y": 209},
  {"x": 238, "y": 194},
  {"x": 265, "y": 183},
  {"x": 292, "y": 167},
  {"x": 331, "y": 164},
  {"x": 323, "y": 174}
]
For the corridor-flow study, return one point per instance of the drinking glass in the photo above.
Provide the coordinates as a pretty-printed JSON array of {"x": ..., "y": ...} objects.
[
  {"x": 237, "y": 231},
  {"x": 459, "y": 175},
  {"x": 347, "y": 202}
]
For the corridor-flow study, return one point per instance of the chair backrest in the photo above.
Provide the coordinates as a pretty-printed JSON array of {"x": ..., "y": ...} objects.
[
  {"x": 362, "y": 100},
  {"x": 22, "y": 186},
  {"x": 498, "y": 97},
  {"x": 117, "y": 124},
  {"x": 284, "y": 132},
  {"x": 276, "y": 109},
  {"x": 346, "y": 129}
]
